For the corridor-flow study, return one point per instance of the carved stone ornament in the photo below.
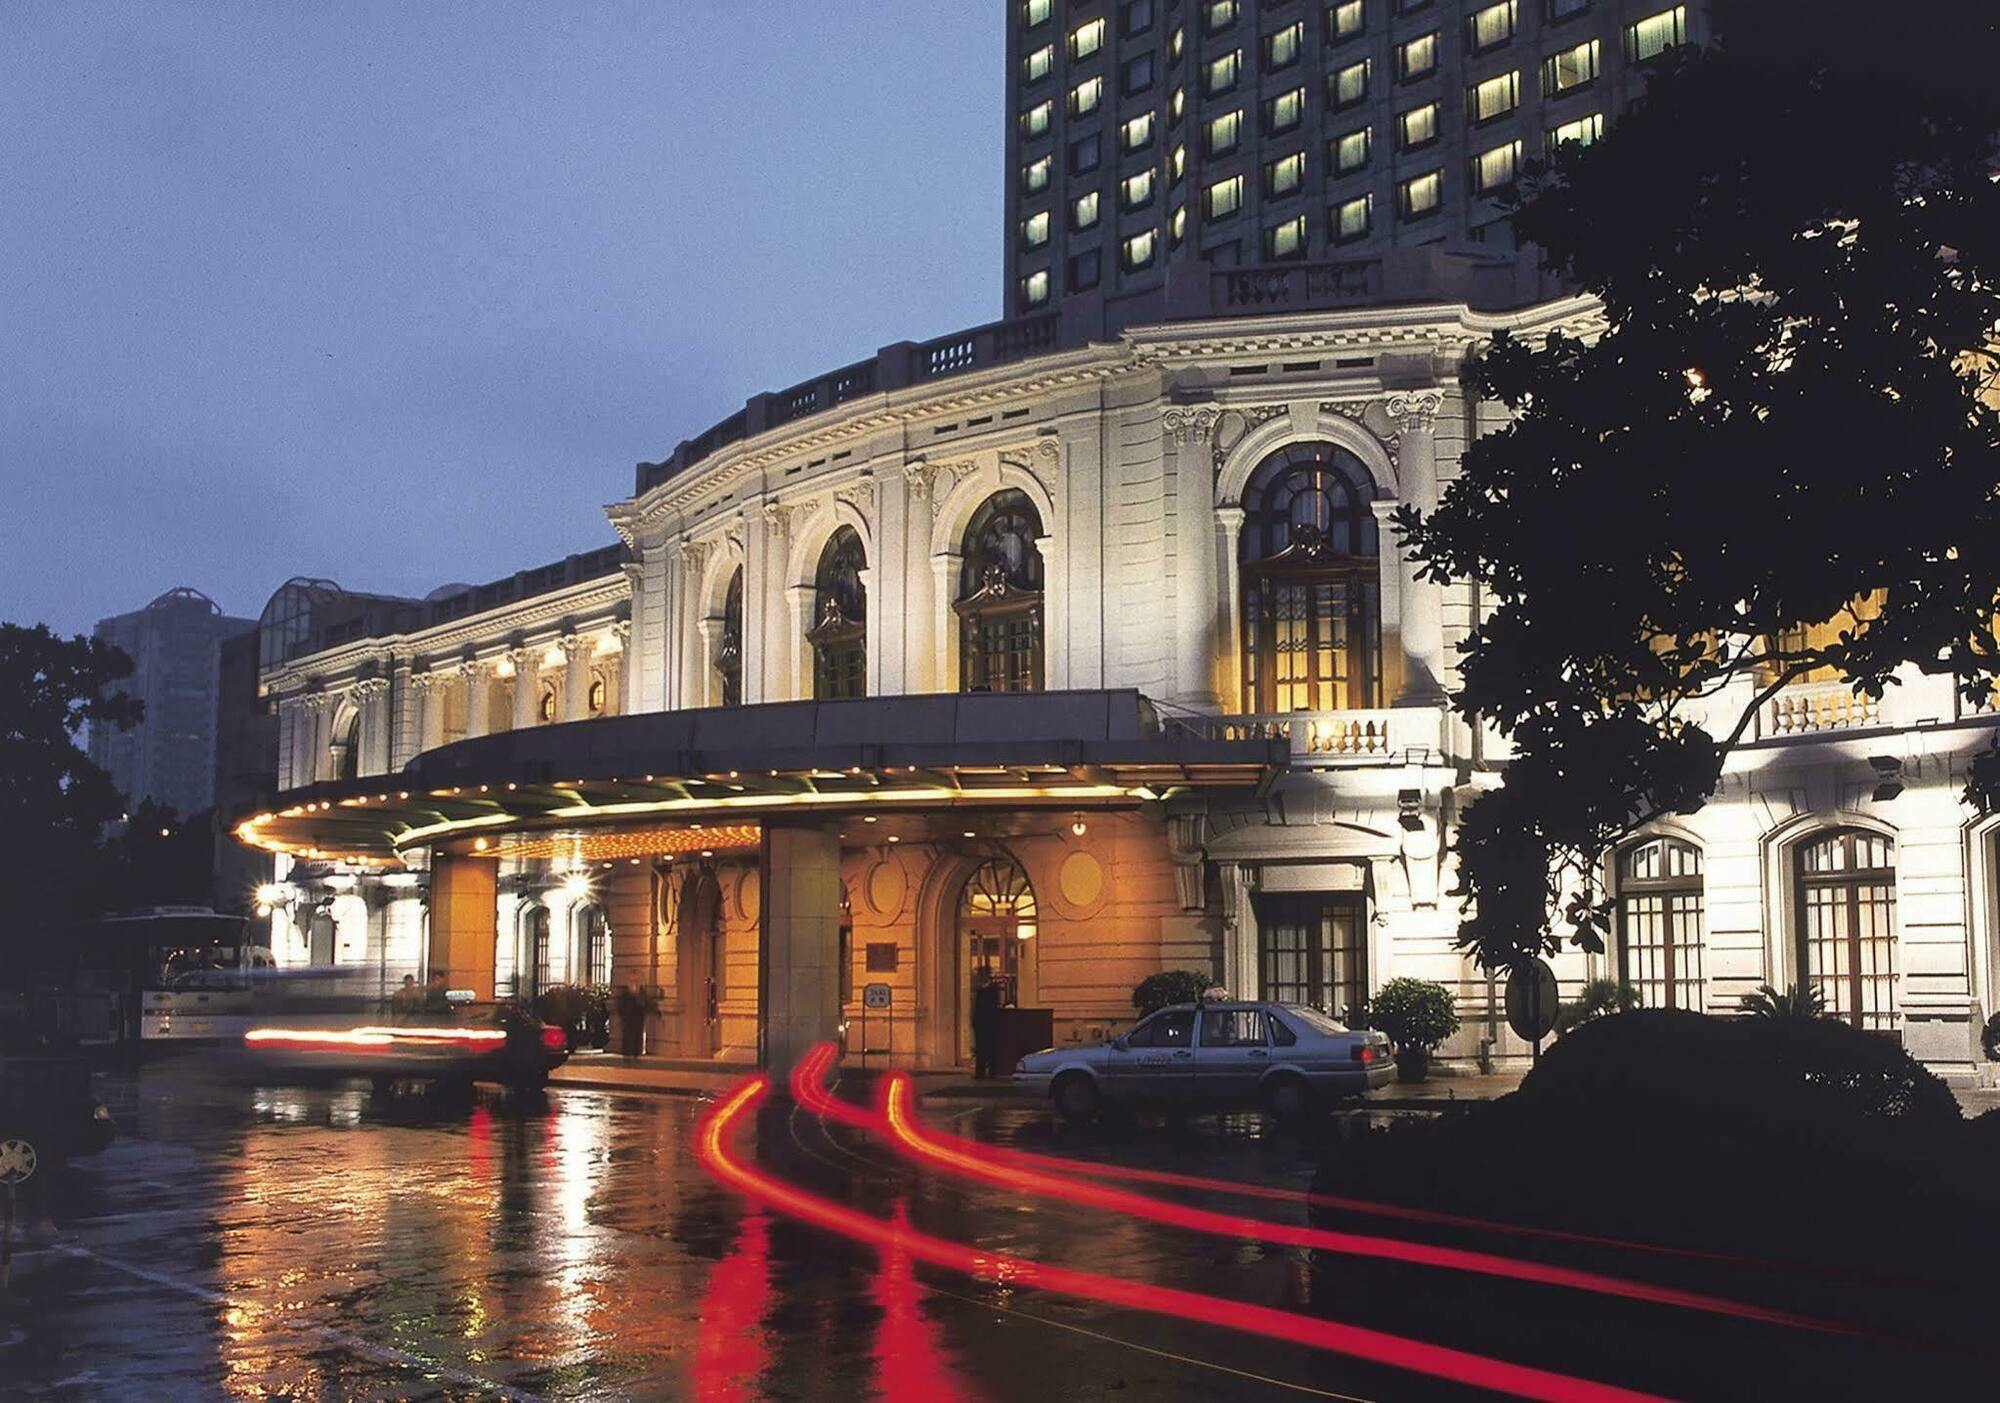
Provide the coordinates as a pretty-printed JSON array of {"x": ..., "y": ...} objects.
[
  {"x": 694, "y": 557},
  {"x": 371, "y": 686},
  {"x": 775, "y": 517},
  {"x": 919, "y": 476},
  {"x": 1190, "y": 424},
  {"x": 861, "y": 497},
  {"x": 1417, "y": 410}
]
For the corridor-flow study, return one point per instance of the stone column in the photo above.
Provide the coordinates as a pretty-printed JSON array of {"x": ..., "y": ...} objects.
[
  {"x": 798, "y": 949},
  {"x": 374, "y": 737},
  {"x": 945, "y": 669},
  {"x": 1191, "y": 478},
  {"x": 478, "y": 679},
  {"x": 527, "y": 687},
  {"x": 703, "y": 687},
  {"x": 1229, "y": 596},
  {"x": 1422, "y": 602},
  {"x": 800, "y": 598},
  {"x": 464, "y": 906},
  {"x": 578, "y": 654},
  {"x": 921, "y": 645},
  {"x": 431, "y": 703}
]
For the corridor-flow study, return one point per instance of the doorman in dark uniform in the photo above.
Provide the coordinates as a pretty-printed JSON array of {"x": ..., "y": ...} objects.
[{"x": 985, "y": 1026}]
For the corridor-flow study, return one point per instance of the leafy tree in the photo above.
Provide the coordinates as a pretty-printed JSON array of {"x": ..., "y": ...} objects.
[
  {"x": 1600, "y": 998},
  {"x": 1778, "y": 461},
  {"x": 1417, "y": 1014},
  {"x": 160, "y": 859},
  {"x": 55, "y": 804}
]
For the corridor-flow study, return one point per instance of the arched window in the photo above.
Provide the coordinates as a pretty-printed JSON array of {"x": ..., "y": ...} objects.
[
  {"x": 1659, "y": 922},
  {"x": 535, "y": 972},
  {"x": 996, "y": 919},
  {"x": 549, "y": 709},
  {"x": 1847, "y": 924},
  {"x": 729, "y": 647},
  {"x": 1312, "y": 619},
  {"x": 1000, "y": 597},
  {"x": 599, "y": 695},
  {"x": 343, "y": 758},
  {"x": 593, "y": 946},
  {"x": 839, "y": 635}
]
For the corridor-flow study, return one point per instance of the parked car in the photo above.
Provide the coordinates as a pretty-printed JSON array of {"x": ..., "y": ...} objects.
[
  {"x": 1216, "y": 1056},
  {"x": 48, "y": 1113}
]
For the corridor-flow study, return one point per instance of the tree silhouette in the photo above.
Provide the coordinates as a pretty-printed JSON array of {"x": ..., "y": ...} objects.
[{"x": 1780, "y": 459}]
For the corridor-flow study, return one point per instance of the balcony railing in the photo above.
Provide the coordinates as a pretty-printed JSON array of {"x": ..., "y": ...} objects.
[
  {"x": 1320, "y": 738},
  {"x": 1814, "y": 707}
]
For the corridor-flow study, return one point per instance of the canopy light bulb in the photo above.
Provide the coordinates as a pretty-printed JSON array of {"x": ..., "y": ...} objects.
[{"x": 1078, "y": 826}]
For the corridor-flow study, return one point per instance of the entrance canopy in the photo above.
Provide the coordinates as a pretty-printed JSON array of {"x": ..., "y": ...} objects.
[{"x": 736, "y": 765}]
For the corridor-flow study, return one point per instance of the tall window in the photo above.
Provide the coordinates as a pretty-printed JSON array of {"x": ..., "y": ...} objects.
[
  {"x": 1311, "y": 584},
  {"x": 839, "y": 635},
  {"x": 1659, "y": 922},
  {"x": 1000, "y": 597},
  {"x": 343, "y": 760},
  {"x": 1847, "y": 925},
  {"x": 593, "y": 946},
  {"x": 729, "y": 647},
  {"x": 535, "y": 942},
  {"x": 1312, "y": 951}
]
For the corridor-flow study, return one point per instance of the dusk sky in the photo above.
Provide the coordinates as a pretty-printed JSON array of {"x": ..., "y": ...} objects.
[{"x": 398, "y": 293}]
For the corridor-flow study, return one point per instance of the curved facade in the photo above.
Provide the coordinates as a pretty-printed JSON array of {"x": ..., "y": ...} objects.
[{"x": 1187, "y": 524}]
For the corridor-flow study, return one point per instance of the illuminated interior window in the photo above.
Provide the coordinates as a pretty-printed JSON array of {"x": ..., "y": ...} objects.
[
  {"x": 1285, "y": 175},
  {"x": 839, "y": 635},
  {"x": 1136, "y": 190},
  {"x": 1034, "y": 12},
  {"x": 1177, "y": 163},
  {"x": 1223, "y": 72},
  {"x": 1348, "y": 85},
  {"x": 1177, "y": 223},
  {"x": 999, "y": 603},
  {"x": 1225, "y": 197},
  {"x": 1285, "y": 111},
  {"x": 1415, "y": 58},
  {"x": 1571, "y": 69},
  {"x": 1287, "y": 240},
  {"x": 1086, "y": 39},
  {"x": 1345, "y": 20},
  {"x": 1417, "y": 127},
  {"x": 1036, "y": 119},
  {"x": 1282, "y": 47},
  {"x": 1655, "y": 34},
  {"x": 1141, "y": 249},
  {"x": 1495, "y": 97},
  {"x": 1224, "y": 132},
  {"x": 1035, "y": 175},
  {"x": 1492, "y": 26},
  {"x": 1039, "y": 64},
  {"x": 1035, "y": 288},
  {"x": 1351, "y": 219},
  {"x": 1035, "y": 230},
  {"x": 1220, "y": 14},
  {"x": 1583, "y": 131},
  {"x": 1137, "y": 131},
  {"x": 1846, "y": 939},
  {"x": 1350, "y": 151},
  {"x": 1659, "y": 923},
  {"x": 1494, "y": 168},
  {"x": 1083, "y": 213},
  {"x": 1421, "y": 195},
  {"x": 1085, "y": 96}
]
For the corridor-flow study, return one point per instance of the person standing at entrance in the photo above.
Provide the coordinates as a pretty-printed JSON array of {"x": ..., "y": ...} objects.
[{"x": 985, "y": 1026}]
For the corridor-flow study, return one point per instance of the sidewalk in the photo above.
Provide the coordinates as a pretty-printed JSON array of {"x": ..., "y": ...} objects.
[{"x": 671, "y": 1076}]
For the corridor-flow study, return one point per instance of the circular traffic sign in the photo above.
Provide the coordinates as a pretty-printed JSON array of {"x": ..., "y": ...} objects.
[
  {"x": 1532, "y": 1000},
  {"x": 17, "y": 1161}
]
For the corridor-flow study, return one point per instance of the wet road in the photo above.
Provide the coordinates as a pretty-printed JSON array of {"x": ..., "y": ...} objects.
[{"x": 280, "y": 1243}]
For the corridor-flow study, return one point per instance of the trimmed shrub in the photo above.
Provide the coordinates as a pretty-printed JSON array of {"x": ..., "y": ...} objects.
[
  {"x": 1417, "y": 1014},
  {"x": 1168, "y": 987},
  {"x": 581, "y": 1010}
]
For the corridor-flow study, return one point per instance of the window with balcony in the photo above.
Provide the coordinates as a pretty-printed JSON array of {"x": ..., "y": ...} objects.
[
  {"x": 1039, "y": 64},
  {"x": 1036, "y": 119},
  {"x": 1035, "y": 230},
  {"x": 1846, "y": 911},
  {"x": 1583, "y": 131},
  {"x": 999, "y": 604},
  {"x": 839, "y": 635},
  {"x": 1659, "y": 922},
  {"x": 1224, "y": 133},
  {"x": 1350, "y": 151},
  {"x": 1086, "y": 39},
  {"x": 1573, "y": 68},
  {"x": 1285, "y": 175},
  {"x": 1311, "y": 583},
  {"x": 1655, "y": 34},
  {"x": 1345, "y": 21},
  {"x": 1085, "y": 97},
  {"x": 1352, "y": 219},
  {"x": 1140, "y": 250},
  {"x": 1494, "y": 168},
  {"x": 1222, "y": 73},
  {"x": 1491, "y": 26},
  {"x": 1283, "y": 47},
  {"x": 1284, "y": 112},
  {"x": 1417, "y": 58},
  {"x": 1421, "y": 196},
  {"x": 729, "y": 643},
  {"x": 1083, "y": 210},
  {"x": 1494, "y": 98},
  {"x": 1137, "y": 133},
  {"x": 1224, "y": 198},
  {"x": 1287, "y": 240},
  {"x": 1417, "y": 128},
  {"x": 1347, "y": 86},
  {"x": 1136, "y": 190}
]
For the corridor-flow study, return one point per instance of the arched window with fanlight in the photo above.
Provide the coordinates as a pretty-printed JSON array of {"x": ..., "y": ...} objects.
[
  {"x": 1847, "y": 924},
  {"x": 1311, "y": 573},
  {"x": 1659, "y": 922},
  {"x": 997, "y": 921},
  {"x": 839, "y": 634},
  {"x": 729, "y": 646},
  {"x": 999, "y": 602}
]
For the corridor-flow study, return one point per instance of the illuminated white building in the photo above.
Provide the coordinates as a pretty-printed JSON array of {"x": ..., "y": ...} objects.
[{"x": 1072, "y": 660}]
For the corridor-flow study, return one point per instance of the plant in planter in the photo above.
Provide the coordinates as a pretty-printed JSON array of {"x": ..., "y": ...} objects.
[
  {"x": 1600, "y": 998},
  {"x": 1170, "y": 986},
  {"x": 1418, "y": 1015},
  {"x": 1793, "y": 1001}
]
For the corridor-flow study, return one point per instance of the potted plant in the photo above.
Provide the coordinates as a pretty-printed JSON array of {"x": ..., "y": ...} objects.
[{"x": 1418, "y": 1015}]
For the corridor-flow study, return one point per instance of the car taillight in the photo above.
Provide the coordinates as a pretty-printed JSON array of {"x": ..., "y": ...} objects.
[
  {"x": 1364, "y": 1052},
  {"x": 555, "y": 1039}
]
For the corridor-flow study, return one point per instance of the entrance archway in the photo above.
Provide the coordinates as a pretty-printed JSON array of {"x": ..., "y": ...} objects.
[
  {"x": 996, "y": 930},
  {"x": 699, "y": 971}
]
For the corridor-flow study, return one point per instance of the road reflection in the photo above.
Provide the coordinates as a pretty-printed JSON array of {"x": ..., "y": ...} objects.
[{"x": 733, "y": 1348}]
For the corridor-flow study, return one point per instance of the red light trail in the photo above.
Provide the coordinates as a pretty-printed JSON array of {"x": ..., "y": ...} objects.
[
  {"x": 904, "y": 1130},
  {"x": 1374, "y": 1346},
  {"x": 808, "y": 1084}
]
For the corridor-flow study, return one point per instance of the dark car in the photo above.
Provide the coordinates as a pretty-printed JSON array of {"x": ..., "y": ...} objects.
[
  {"x": 499, "y": 1044},
  {"x": 48, "y": 1113}
]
